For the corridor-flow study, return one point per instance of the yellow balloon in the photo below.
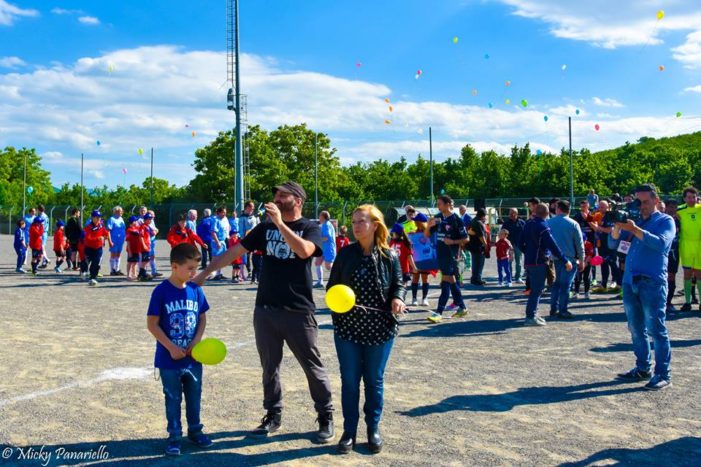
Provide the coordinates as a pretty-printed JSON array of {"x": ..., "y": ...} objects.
[
  {"x": 209, "y": 351},
  {"x": 340, "y": 298},
  {"x": 660, "y": 15}
]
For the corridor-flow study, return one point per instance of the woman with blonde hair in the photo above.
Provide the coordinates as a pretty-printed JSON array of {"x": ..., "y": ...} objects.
[{"x": 364, "y": 335}]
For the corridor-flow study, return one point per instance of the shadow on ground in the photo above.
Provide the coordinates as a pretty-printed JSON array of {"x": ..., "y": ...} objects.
[{"x": 678, "y": 452}]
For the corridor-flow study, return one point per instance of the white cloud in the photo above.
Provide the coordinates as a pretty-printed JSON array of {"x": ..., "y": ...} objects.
[
  {"x": 607, "y": 102},
  {"x": 152, "y": 93},
  {"x": 91, "y": 20},
  {"x": 693, "y": 89},
  {"x": 689, "y": 53},
  {"x": 11, "y": 62},
  {"x": 9, "y": 13},
  {"x": 63, "y": 11}
]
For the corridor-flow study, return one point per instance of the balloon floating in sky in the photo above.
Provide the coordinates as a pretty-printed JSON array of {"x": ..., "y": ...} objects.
[
  {"x": 391, "y": 108},
  {"x": 524, "y": 103},
  {"x": 418, "y": 74},
  {"x": 187, "y": 126},
  {"x": 358, "y": 65},
  {"x": 660, "y": 15},
  {"x": 661, "y": 67},
  {"x": 545, "y": 118},
  {"x": 539, "y": 152},
  {"x": 387, "y": 122},
  {"x": 679, "y": 114},
  {"x": 597, "y": 127},
  {"x": 140, "y": 151},
  {"x": 387, "y": 100},
  {"x": 194, "y": 133},
  {"x": 508, "y": 83},
  {"x": 490, "y": 105},
  {"x": 576, "y": 111},
  {"x": 455, "y": 40},
  {"x": 420, "y": 131},
  {"x": 474, "y": 92},
  {"x": 30, "y": 190},
  {"x": 507, "y": 102},
  {"x": 124, "y": 170},
  {"x": 564, "y": 67},
  {"x": 486, "y": 56},
  {"x": 98, "y": 142},
  {"x": 110, "y": 67}
]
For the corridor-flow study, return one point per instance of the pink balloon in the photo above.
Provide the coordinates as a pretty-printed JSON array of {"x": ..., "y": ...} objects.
[
  {"x": 597, "y": 127},
  {"x": 597, "y": 261}
]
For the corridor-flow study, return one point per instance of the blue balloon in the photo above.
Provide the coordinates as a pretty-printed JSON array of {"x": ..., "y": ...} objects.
[
  {"x": 539, "y": 152},
  {"x": 30, "y": 190},
  {"x": 577, "y": 111},
  {"x": 490, "y": 105},
  {"x": 98, "y": 142}
]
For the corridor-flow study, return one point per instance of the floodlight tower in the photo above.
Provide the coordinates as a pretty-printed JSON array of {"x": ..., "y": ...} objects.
[{"x": 235, "y": 101}]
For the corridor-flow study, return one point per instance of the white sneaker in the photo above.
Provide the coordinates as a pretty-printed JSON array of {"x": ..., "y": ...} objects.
[
  {"x": 414, "y": 302},
  {"x": 57, "y": 269},
  {"x": 92, "y": 282},
  {"x": 501, "y": 283},
  {"x": 574, "y": 296},
  {"x": 586, "y": 296},
  {"x": 508, "y": 284},
  {"x": 425, "y": 302}
]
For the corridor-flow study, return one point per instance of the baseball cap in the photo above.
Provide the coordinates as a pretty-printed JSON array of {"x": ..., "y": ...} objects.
[
  {"x": 294, "y": 188},
  {"x": 133, "y": 219},
  {"x": 37, "y": 220},
  {"x": 96, "y": 213},
  {"x": 148, "y": 216},
  {"x": 397, "y": 228},
  {"x": 420, "y": 217},
  {"x": 59, "y": 223}
]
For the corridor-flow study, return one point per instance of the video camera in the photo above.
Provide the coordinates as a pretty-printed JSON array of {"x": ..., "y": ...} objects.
[{"x": 621, "y": 212}]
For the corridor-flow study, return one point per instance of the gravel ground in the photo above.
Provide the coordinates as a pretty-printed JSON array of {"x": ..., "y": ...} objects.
[{"x": 77, "y": 380}]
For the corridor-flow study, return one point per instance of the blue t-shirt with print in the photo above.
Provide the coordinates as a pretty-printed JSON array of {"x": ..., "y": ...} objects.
[
  {"x": 179, "y": 311},
  {"x": 329, "y": 245},
  {"x": 117, "y": 228},
  {"x": 20, "y": 236}
]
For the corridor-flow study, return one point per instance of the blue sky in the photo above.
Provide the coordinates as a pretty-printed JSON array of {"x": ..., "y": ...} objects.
[{"x": 135, "y": 74}]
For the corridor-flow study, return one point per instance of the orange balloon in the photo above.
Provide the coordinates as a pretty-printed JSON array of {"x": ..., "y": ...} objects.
[
  {"x": 661, "y": 67},
  {"x": 387, "y": 122},
  {"x": 194, "y": 133},
  {"x": 391, "y": 108},
  {"x": 387, "y": 100}
]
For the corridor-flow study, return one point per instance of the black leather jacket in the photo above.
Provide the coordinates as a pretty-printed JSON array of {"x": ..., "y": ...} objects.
[{"x": 389, "y": 271}]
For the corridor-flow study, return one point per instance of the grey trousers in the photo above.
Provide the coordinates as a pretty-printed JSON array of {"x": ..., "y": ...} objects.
[{"x": 273, "y": 327}]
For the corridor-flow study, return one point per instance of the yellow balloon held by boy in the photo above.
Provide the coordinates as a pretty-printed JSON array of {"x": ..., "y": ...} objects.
[
  {"x": 340, "y": 298},
  {"x": 209, "y": 351}
]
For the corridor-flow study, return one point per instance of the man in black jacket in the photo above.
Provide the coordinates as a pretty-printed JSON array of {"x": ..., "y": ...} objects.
[{"x": 73, "y": 232}]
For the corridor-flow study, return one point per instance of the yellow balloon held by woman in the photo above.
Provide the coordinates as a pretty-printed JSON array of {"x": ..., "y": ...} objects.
[
  {"x": 340, "y": 298},
  {"x": 209, "y": 351}
]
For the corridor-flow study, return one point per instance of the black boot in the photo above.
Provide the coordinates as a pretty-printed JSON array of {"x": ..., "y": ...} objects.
[
  {"x": 269, "y": 424},
  {"x": 375, "y": 442},
  {"x": 326, "y": 431},
  {"x": 345, "y": 445}
]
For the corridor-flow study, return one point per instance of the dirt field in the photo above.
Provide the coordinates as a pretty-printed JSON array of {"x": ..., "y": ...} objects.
[{"x": 76, "y": 379}]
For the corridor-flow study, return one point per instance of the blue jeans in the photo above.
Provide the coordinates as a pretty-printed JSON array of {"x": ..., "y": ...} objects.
[
  {"x": 645, "y": 302},
  {"x": 21, "y": 256},
  {"x": 536, "y": 278},
  {"x": 175, "y": 384},
  {"x": 93, "y": 256},
  {"x": 368, "y": 362},
  {"x": 518, "y": 258},
  {"x": 504, "y": 269},
  {"x": 560, "y": 291}
]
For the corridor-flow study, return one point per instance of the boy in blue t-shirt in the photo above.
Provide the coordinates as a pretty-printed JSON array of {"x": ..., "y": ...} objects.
[
  {"x": 20, "y": 244},
  {"x": 177, "y": 319}
]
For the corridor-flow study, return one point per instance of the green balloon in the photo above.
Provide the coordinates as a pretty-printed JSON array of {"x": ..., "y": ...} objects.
[
  {"x": 524, "y": 103},
  {"x": 679, "y": 114},
  {"x": 209, "y": 351}
]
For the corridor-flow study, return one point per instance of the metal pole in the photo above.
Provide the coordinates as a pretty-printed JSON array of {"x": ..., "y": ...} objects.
[
  {"x": 316, "y": 178},
  {"x": 571, "y": 165},
  {"x": 151, "y": 202},
  {"x": 82, "y": 190},
  {"x": 24, "y": 186},
  {"x": 430, "y": 159},
  {"x": 238, "y": 194}
]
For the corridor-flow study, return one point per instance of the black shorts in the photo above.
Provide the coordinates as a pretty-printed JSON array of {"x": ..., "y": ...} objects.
[
  {"x": 73, "y": 246},
  {"x": 673, "y": 263},
  {"x": 133, "y": 258},
  {"x": 59, "y": 253},
  {"x": 406, "y": 277},
  {"x": 36, "y": 253},
  {"x": 146, "y": 256},
  {"x": 448, "y": 266}
]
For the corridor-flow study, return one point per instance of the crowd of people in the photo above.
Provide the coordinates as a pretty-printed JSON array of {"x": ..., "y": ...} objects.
[{"x": 636, "y": 242}]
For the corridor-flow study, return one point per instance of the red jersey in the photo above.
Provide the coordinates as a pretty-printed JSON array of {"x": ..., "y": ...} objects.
[
  {"x": 95, "y": 235},
  {"x": 503, "y": 248},
  {"x": 36, "y": 231},
  {"x": 232, "y": 243},
  {"x": 177, "y": 235},
  {"x": 60, "y": 242},
  {"x": 146, "y": 235},
  {"x": 588, "y": 250},
  {"x": 341, "y": 241},
  {"x": 134, "y": 242},
  {"x": 404, "y": 253}
]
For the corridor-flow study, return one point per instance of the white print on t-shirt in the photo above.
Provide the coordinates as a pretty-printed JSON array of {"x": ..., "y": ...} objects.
[
  {"x": 277, "y": 246},
  {"x": 182, "y": 328},
  {"x": 177, "y": 305}
]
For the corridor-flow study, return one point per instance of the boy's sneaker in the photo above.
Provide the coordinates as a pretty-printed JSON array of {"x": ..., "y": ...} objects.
[
  {"x": 634, "y": 375},
  {"x": 587, "y": 296},
  {"x": 425, "y": 302},
  {"x": 173, "y": 447},
  {"x": 92, "y": 282},
  {"x": 537, "y": 321},
  {"x": 500, "y": 283},
  {"x": 235, "y": 280},
  {"x": 200, "y": 439},
  {"x": 414, "y": 302},
  {"x": 508, "y": 284},
  {"x": 326, "y": 431},
  {"x": 113, "y": 273},
  {"x": 657, "y": 383},
  {"x": 435, "y": 317},
  {"x": 21, "y": 271},
  {"x": 269, "y": 424},
  {"x": 685, "y": 307},
  {"x": 157, "y": 274},
  {"x": 318, "y": 285},
  {"x": 57, "y": 269},
  {"x": 461, "y": 313}
]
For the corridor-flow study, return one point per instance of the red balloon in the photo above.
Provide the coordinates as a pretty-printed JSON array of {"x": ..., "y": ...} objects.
[
  {"x": 597, "y": 127},
  {"x": 597, "y": 261}
]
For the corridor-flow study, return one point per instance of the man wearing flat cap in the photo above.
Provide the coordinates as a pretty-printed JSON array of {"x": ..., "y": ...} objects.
[{"x": 284, "y": 310}]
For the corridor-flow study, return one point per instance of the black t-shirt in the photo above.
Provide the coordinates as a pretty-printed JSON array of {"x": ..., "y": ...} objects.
[
  {"x": 450, "y": 227},
  {"x": 479, "y": 231},
  {"x": 286, "y": 280}
]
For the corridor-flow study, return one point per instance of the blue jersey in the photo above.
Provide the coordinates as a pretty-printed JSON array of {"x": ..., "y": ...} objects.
[
  {"x": 28, "y": 219},
  {"x": 220, "y": 228},
  {"x": 21, "y": 236},
  {"x": 190, "y": 225},
  {"x": 179, "y": 312},
  {"x": 329, "y": 245},
  {"x": 117, "y": 228},
  {"x": 45, "y": 220},
  {"x": 204, "y": 230}
]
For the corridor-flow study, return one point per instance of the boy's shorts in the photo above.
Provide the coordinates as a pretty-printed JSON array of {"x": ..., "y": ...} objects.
[
  {"x": 146, "y": 256},
  {"x": 116, "y": 247},
  {"x": 133, "y": 258},
  {"x": 690, "y": 255},
  {"x": 73, "y": 246},
  {"x": 59, "y": 253},
  {"x": 448, "y": 266},
  {"x": 36, "y": 253}
]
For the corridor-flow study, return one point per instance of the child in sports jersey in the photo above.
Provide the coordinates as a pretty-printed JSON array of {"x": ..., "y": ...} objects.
[
  {"x": 135, "y": 246},
  {"x": 60, "y": 245},
  {"x": 145, "y": 230},
  {"x": 95, "y": 235},
  {"x": 177, "y": 316},
  {"x": 505, "y": 254},
  {"x": 20, "y": 245},
  {"x": 402, "y": 245},
  {"x": 237, "y": 265},
  {"x": 342, "y": 238},
  {"x": 36, "y": 232}
]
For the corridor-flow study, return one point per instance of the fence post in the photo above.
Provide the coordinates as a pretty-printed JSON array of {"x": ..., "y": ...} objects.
[
  {"x": 51, "y": 218},
  {"x": 65, "y": 213},
  {"x": 9, "y": 221}
]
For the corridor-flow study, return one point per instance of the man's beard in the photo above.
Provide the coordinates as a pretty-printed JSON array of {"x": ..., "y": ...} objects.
[{"x": 285, "y": 208}]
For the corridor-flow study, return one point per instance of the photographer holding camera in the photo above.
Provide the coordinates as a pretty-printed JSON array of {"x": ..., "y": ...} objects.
[{"x": 645, "y": 288}]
